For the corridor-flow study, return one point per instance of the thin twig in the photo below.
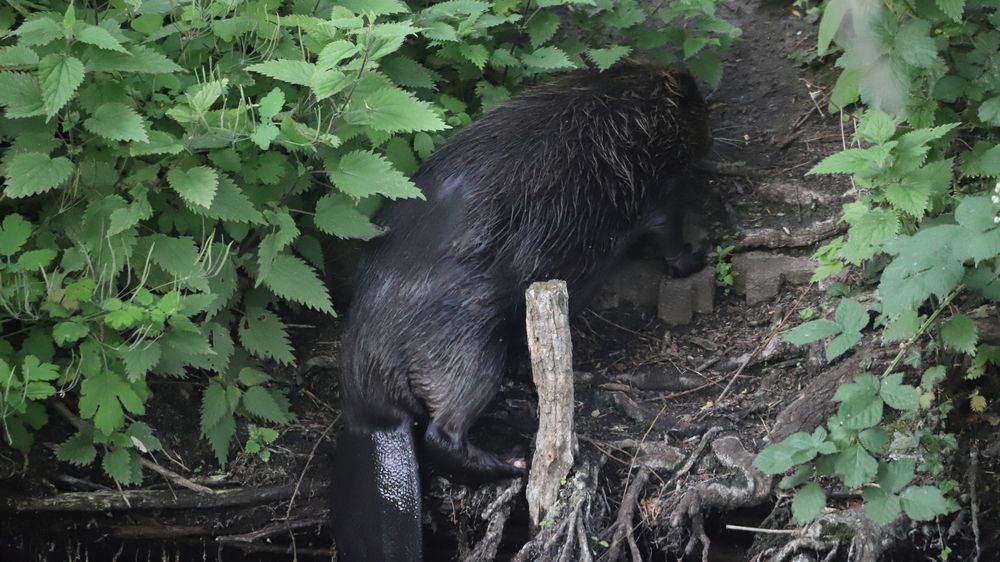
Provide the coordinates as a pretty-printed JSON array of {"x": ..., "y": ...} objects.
[
  {"x": 974, "y": 500},
  {"x": 762, "y": 346},
  {"x": 312, "y": 453},
  {"x": 765, "y": 531}
]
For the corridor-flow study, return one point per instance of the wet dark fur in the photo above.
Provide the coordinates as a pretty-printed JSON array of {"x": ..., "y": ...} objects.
[{"x": 554, "y": 184}]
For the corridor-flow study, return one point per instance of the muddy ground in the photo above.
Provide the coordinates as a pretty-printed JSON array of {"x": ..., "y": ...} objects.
[{"x": 639, "y": 381}]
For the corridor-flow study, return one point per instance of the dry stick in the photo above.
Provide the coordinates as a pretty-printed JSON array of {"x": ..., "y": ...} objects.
[
  {"x": 764, "y": 531},
  {"x": 88, "y": 502},
  {"x": 271, "y": 530},
  {"x": 312, "y": 453},
  {"x": 170, "y": 475},
  {"x": 974, "y": 499},
  {"x": 762, "y": 346}
]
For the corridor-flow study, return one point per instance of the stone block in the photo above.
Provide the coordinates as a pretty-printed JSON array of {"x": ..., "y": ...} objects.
[
  {"x": 760, "y": 275},
  {"x": 676, "y": 306},
  {"x": 703, "y": 290}
]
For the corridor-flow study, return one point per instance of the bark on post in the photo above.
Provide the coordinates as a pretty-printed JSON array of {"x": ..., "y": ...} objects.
[{"x": 552, "y": 370}]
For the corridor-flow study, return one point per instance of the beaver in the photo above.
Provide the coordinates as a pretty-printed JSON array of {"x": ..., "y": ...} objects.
[{"x": 556, "y": 183}]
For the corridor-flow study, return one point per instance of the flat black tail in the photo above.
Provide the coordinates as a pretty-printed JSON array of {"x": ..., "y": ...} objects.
[{"x": 376, "y": 499}]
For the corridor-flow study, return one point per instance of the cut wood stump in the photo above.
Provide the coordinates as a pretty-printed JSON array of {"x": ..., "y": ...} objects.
[{"x": 552, "y": 370}]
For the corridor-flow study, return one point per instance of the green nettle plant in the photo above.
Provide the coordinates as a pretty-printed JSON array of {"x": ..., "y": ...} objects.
[
  {"x": 172, "y": 168},
  {"x": 927, "y": 221}
]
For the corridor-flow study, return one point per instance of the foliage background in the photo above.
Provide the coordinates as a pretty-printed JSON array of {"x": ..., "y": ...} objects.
[
  {"x": 920, "y": 82},
  {"x": 172, "y": 168}
]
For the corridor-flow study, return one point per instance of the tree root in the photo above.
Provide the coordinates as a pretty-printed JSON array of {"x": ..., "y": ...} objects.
[
  {"x": 718, "y": 494},
  {"x": 819, "y": 541},
  {"x": 564, "y": 535},
  {"x": 496, "y": 513}
]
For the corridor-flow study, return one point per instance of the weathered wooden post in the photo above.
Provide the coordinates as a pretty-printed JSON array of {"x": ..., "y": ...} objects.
[{"x": 552, "y": 370}]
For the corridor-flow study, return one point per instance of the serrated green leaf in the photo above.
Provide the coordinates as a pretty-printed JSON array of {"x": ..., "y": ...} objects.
[
  {"x": 911, "y": 198},
  {"x": 474, "y": 53},
  {"x": 214, "y": 406},
  {"x": 915, "y": 45},
  {"x": 21, "y": 94},
  {"x": 932, "y": 376},
  {"x": 17, "y": 55},
  {"x": 923, "y": 503},
  {"x": 808, "y": 503},
  {"x": 60, "y": 76},
  {"x": 263, "y": 334},
  {"x": 881, "y": 506},
  {"x": 873, "y": 439},
  {"x": 286, "y": 70},
  {"x": 271, "y": 104},
  {"x": 31, "y": 173},
  {"x": 989, "y": 111},
  {"x": 142, "y": 437},
  {"x": 251, "y": 377},
  {"x": 326, "y": 83},
  {"x": 39, "y": 31},
  {"x": 376, "y": 7},
  {"x": 102, "y": 397},
  {"x": 605, "y": 58},
  {"x": 847, "y": 161},
  {"x": 829, "y": 24},
  {"x": 959, "y": 333},
  {"x": 179, "y": 257},
  {"x": 264, "y": 135},
  {"x": 924, "y": 265},
  {"x": 898, "y": 395},
  {"x": 100, "y": 38},
  {"x": 118, "y": 464},
  {"x": 894, "y": 475},
  {"x": 196, "y": 185},
  {"x": 860, "y": 404},
  {"x": 140, "y": 359},
  {"x": 78, "y": 450},
  {"x": 876, "y": 127},
  {"x": 392, "y": 110},
  {"x": 38, "y": 390},
  {"x": 841, "y": 344},
  {"x": 35, "y": 259},
  {"x": 338, "y": 215},
  {"x": 334, "y": 52},
  {"x": 547, "y": 58},
  {"x": 141, "y": 59},
  {"x": 68, "y": 332},
  {"x": 541, "y": 28},
  {"x": 14, "y": 234},
  {"x": 117, "y": 121},
  {"x": 259, "y": 402},
  {"x": 982, "y": 160},
  {"x": 903, "y": 327},
  {"x": 293, "y": 279},
  {"x": 867, "y": 233},
  {"x": 230, "y": 204},
  {"x": 812, "y": 331},
  {"x": 35, "y": 370},
  {"x": 275, "y": 241},
  {"x": 855, "y": 466},
  {"x": 361, "y": 174},
  {"x": 851, "y": 316},
  {"x": 220, "y": 435},
  {"x": 157, "y": 142},
  {"x": 953, "y": 8}
]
